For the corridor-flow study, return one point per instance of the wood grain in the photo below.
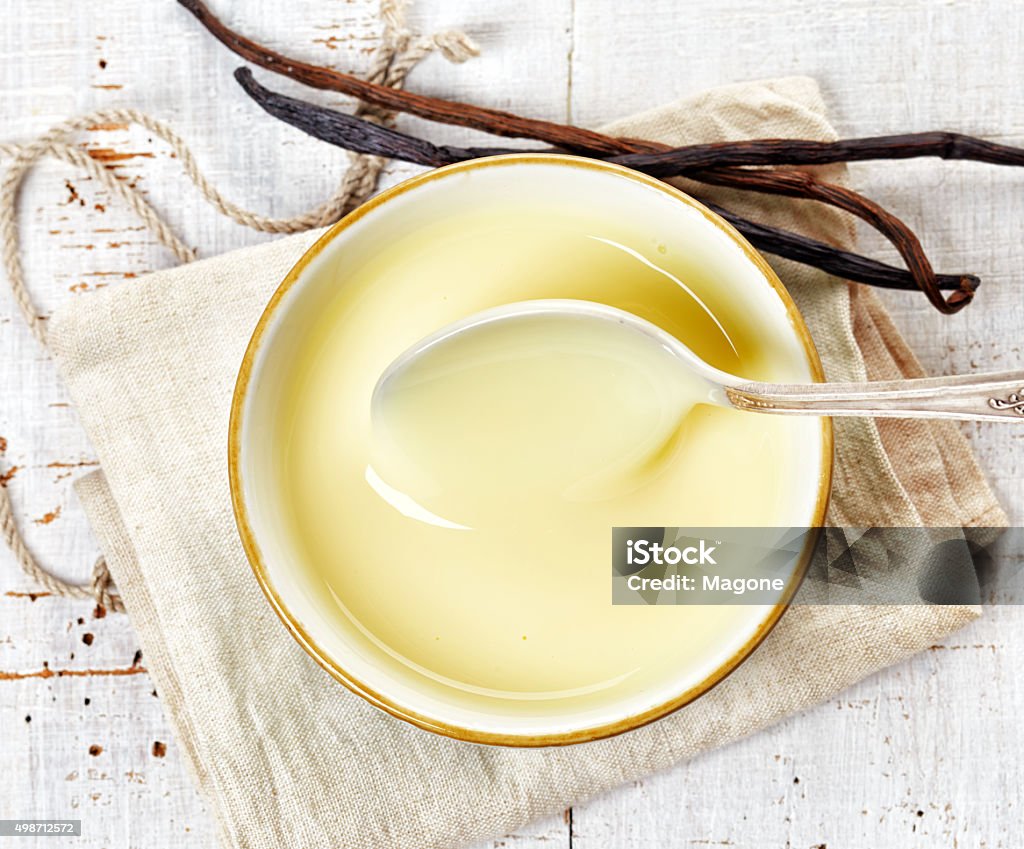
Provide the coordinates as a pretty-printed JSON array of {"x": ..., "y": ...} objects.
[{"x": 926, "y": 754}]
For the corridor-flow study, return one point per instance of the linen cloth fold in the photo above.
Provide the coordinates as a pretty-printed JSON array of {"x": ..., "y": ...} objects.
[{"x": 287, "y": 756}]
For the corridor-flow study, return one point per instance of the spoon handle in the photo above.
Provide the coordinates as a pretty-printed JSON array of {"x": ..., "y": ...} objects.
[{"x": 983, "y": 397}]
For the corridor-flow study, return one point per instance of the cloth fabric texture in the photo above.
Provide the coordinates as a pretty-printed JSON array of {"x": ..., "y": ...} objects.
[{"x": 283, "y": 753}]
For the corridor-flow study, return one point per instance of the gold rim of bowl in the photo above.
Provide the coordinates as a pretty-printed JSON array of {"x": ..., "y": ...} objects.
[{"x": 333, "y": 667}]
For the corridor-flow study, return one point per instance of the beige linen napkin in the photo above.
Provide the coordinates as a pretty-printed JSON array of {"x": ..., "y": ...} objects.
[{"x": 287, "y": 756}]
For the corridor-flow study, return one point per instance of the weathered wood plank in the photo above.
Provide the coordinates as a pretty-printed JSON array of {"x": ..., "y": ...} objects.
[
  {"x": 936, "y": 735},
  {"x": 62, "y": 59}
]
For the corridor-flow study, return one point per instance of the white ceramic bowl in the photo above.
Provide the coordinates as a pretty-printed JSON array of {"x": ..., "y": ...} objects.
[{"x": 414, "y": 203}]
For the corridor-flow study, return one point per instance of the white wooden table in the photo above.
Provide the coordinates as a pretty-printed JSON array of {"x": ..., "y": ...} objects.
[{"x": 926, "y": 754}]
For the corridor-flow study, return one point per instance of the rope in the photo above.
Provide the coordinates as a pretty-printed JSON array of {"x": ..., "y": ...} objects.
[{"x": 398, "y": 53}]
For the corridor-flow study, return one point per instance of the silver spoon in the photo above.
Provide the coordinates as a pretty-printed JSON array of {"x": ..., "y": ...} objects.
[{"x": 997, "y": 396}]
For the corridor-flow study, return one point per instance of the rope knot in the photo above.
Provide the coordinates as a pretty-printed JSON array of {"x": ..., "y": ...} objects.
[
  {"x": 99, "y": 586},
  {"x": 456, "y": 46}
]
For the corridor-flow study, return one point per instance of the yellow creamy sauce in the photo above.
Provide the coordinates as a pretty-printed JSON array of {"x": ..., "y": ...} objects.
[{"x": 471, "y": 542}]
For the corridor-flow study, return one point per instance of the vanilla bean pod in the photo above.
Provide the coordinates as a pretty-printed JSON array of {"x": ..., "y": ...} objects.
[
  {"x": 802, "y": 184},
  {"x": 362, "y": 136},
  {"x": 717, "y": 163},
  {"x": 833, "y": 260},
  {"x": 354, "y": 133},
  {"x": 807, "y": 152},
  {"x": 492, "y": 121},
  {"x": 651, "y": 157}
]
